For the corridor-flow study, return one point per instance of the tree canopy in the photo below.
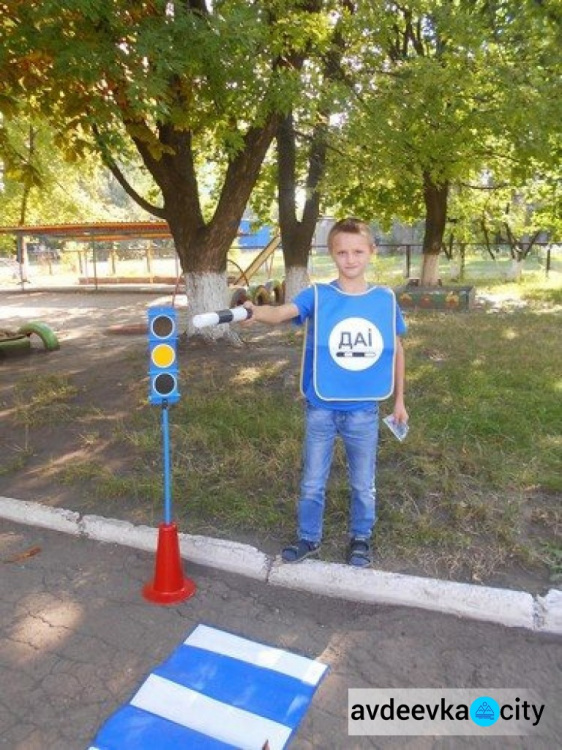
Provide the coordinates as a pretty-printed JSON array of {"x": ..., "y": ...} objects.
[
  {"x": 442, "y": 93},
  {"x": 179, "y": 82},
  {"x": 411, "y": 103}
]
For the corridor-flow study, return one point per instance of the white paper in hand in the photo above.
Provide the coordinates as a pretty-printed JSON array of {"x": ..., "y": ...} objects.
[{"x": 398, "y": 429}]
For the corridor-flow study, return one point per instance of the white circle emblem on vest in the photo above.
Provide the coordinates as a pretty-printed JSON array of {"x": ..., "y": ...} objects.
[{"x": 355, "y": 344}]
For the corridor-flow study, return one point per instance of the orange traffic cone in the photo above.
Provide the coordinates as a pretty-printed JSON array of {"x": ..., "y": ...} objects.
[{"x": 169, "y": 585}]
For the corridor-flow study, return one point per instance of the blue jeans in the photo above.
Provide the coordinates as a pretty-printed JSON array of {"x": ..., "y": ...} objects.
[{"x": 359, "y": 431}]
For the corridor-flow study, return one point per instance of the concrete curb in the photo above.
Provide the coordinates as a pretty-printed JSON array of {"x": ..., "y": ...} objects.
[
  {"x": 118, "y": 532},
  {"x": 549, "y": 614},
  {"x": 501, "y": 606},
  {"x": 35, "y": 514},
  {"x": 224, "y": 555},
  {"x": 214, "y": 553},
  {"x": 510, "y": 608}
]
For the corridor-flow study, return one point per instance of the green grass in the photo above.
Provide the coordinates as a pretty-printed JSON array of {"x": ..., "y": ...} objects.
[
  {"x": 473, "y": 491},
  {"x": 479, "y": 476},
  {"x": 39, "y": 401},
  {"x": 475, "y": 487}
]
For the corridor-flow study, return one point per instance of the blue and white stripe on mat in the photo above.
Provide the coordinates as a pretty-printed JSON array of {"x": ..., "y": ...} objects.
[{"x": 217, "y": 691}]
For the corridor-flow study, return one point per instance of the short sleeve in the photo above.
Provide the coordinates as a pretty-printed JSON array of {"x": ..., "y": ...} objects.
[
  {"x": 305, "y": 303},
  {"x": 401, "y": 327}
]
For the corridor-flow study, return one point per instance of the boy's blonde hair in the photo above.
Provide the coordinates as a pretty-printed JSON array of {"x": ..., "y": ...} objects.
[{"x": 351, "y": 226}]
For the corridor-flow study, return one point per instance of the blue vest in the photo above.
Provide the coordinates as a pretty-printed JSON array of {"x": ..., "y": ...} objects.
[{"x": 354, "y": 344}]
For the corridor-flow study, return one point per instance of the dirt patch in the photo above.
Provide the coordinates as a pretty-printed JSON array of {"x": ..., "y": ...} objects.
[{"x": 104, "y": 356}]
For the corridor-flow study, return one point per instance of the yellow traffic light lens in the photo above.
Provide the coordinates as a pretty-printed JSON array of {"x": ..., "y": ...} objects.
[{"x": 163, "y": 355}]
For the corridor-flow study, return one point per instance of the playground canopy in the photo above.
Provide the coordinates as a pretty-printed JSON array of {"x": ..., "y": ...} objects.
[{"x": 93, "y": 231}]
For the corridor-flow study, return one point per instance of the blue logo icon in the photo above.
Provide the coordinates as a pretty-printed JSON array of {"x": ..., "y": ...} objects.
[{"x": 484, "y": 711}]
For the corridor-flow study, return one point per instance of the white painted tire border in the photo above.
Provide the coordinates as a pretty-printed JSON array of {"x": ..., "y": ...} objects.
[{"x": 507, "y": 607}]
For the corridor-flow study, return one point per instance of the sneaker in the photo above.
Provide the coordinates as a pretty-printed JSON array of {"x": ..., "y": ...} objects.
[
  {"x": 299, "y": 551},
  {"x": 359, "y": 553}
]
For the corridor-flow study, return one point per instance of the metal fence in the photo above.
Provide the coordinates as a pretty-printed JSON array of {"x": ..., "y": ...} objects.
[{"x": 156, "y": 263}]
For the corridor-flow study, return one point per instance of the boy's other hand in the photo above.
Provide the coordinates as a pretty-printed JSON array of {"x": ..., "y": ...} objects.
[
  {"x": 399, "y": 413},
  {"x": 249, "y": 306}
]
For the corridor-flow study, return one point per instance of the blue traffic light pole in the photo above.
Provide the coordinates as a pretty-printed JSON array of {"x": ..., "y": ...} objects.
[{"x": 166, "y": 464}]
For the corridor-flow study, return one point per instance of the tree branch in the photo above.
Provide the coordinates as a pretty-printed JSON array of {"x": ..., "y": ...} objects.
[
  {"x": 111, "y": 164},
  {"x": 286, "y": 173},
  {"x": 242, "y": 173},
  {"x": 486, "y": 187},
  {"x": 486, "y": 238}
]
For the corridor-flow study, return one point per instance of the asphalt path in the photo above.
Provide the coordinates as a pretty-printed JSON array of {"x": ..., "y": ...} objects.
[{"x": 77, "y": 638}]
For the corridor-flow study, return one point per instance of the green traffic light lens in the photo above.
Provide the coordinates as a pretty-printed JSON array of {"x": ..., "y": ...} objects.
[{"x": 164, "y": 384}]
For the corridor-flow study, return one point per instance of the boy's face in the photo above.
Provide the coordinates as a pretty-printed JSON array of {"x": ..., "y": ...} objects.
[{"x": 351, "y": 253}]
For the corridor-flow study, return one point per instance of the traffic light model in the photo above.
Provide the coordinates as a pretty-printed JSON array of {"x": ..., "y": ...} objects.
[
  {"x": 169, "y": 584},
  {"x": 162, "y": 343}
]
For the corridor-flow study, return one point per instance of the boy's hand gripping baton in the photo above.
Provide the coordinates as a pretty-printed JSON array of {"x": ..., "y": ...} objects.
[{"x": 234, "y": 315}]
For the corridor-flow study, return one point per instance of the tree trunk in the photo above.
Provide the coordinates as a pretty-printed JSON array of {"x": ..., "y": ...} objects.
[
  {"x": 515, "y": 271},
  {"x": 203, "y": 247},
  {"x": 296, "y": 279},
  {"x": 202, "y": 255},
  {"x": 435, "y": 199},
  {"x": 207, "y": 292},
  {"x": 296, "y": 236}
]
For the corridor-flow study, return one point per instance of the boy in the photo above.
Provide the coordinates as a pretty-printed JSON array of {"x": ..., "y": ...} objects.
[{"x": 353, "y": 357}]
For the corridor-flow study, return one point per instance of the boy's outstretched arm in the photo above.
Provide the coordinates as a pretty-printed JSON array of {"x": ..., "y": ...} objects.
[
  {"x": 272, "y": 314},
  {"x": 400, "y": 414}
]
